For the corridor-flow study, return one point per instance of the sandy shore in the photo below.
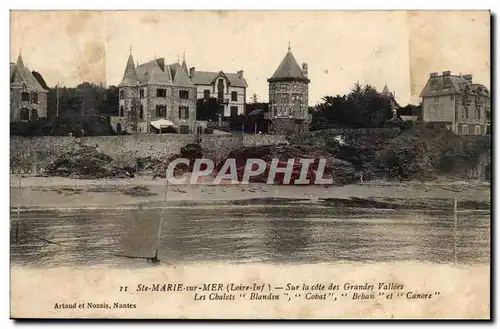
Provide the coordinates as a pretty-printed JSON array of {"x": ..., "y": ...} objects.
[{"x": 54, "y": 192}]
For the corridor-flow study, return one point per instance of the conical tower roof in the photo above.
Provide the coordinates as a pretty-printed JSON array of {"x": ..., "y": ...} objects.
[
  {"x": 386, "y": 90},
  {"x": 22, "y": 74},
  {"x": 288, "y": 69},
  {"x": 184, "y": 65},
  {"x": 130, "y": 74}
]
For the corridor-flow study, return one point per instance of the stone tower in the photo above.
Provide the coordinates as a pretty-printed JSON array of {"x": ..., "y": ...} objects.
[
  {"x": 289, "y": 97},
  {"x": 127, "y": 89}
]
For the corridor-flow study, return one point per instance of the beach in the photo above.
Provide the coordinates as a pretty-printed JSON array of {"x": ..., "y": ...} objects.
[{"x": 56, "y": 192}]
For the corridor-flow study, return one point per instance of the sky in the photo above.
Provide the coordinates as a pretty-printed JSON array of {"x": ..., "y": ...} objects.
[{"x": 341, "y": 48}]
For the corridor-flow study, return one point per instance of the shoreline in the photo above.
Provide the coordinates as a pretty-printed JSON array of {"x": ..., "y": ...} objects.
[{"x": 64, "y": 193}]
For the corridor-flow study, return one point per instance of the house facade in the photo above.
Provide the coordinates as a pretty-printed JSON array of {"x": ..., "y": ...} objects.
[
  {"x": 28, "y": 99},
  {"x": 455, "y": 100},
  {"x": 228, "y": 88},
  {"x": 289, "y": 97},
  {"x": 155, "y": 94}
]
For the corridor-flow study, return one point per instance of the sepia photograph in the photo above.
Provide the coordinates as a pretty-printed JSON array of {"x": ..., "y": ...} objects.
[{"x": 250, "y": 164}]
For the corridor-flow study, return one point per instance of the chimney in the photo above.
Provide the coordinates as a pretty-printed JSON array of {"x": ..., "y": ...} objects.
[
  {"x": 433, "y": 74},
  {"x": 446, "y": 73},
  {"x": 240, "y": 74},
  {"x": 467, "y": 77},
  {"x": 304, "y": 69},
  {"x": 191, "y": 71}
]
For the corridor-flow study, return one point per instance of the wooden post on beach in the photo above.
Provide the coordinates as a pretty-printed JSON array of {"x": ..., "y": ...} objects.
[
  {"x": 161, "y": 219},
  {"x": 455, "y": 217}
]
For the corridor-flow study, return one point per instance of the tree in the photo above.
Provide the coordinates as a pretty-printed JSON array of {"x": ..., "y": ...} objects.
[
  {"x": 254, "y": 99},
  {"x": 207, "y": 109},
  {"x": 363, "y": 107}
]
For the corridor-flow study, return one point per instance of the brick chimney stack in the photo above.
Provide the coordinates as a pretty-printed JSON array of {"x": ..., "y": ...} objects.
[{"x": 240, "y": 74}]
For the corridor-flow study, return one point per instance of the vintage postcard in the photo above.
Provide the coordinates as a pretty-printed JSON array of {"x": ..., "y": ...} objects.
[{"x": 250, "y": 164}]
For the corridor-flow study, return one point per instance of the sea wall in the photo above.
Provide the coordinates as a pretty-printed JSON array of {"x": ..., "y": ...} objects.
[{"x": 30, "y": 154}]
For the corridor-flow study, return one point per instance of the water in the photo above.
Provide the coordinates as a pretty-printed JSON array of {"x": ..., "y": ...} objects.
[{"x": 242, "y": 234}]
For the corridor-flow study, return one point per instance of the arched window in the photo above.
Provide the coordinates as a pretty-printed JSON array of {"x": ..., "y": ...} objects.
[
  {"x": 141, "y": 112},
  {"x": 119, "y": 128}
]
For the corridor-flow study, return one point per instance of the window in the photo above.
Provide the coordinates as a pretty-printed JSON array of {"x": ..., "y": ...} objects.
[
  {"x": 184, "y": 129},
  {"x": 206, "y": 93},
  {"x": 122, "y": 94},
  {"x": 120, "y": 114},
  {"x": 234, "y": 96},
  {"x": 34, "y": 114},
  {"x": 141, "y": 93},
  {"x": 234, "y": 111},
  {"x": 183, "y": 112},
  {"x": 161, "y": 111},
  {"x": 436, "y": 99},
  {"x": 161, "y": 92},
  {"x": 141, "y": 112},
  {"x": 465, "y": 130},
  {"x": 477, "y": 130},
  {"x": 25, "y": 96},
  {"x": 183, "y": 94},
  {"x": 296, "y": 105},
  {"x": 34, "y": 98},
  {"x": 465, "y": 113},
  {"x": 220, "y": 90},
  {"x": 24, "y": 114}
]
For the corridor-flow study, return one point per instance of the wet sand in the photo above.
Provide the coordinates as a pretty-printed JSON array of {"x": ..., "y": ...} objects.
[{"x": 57, "y": 192}]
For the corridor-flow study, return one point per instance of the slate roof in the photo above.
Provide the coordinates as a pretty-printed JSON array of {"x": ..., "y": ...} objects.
[
  {"x": 152, "y": 73},
  {"x": 156, "y": 71},
  {"x": 451, "y": 84},
  {"x": 207, "y": 78},
  {"x": 130, "y": 74},
  {"x": 181, "y": 77},
  {"x": 19, "y": 73},
  {"x": 288, "y": 69}
]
